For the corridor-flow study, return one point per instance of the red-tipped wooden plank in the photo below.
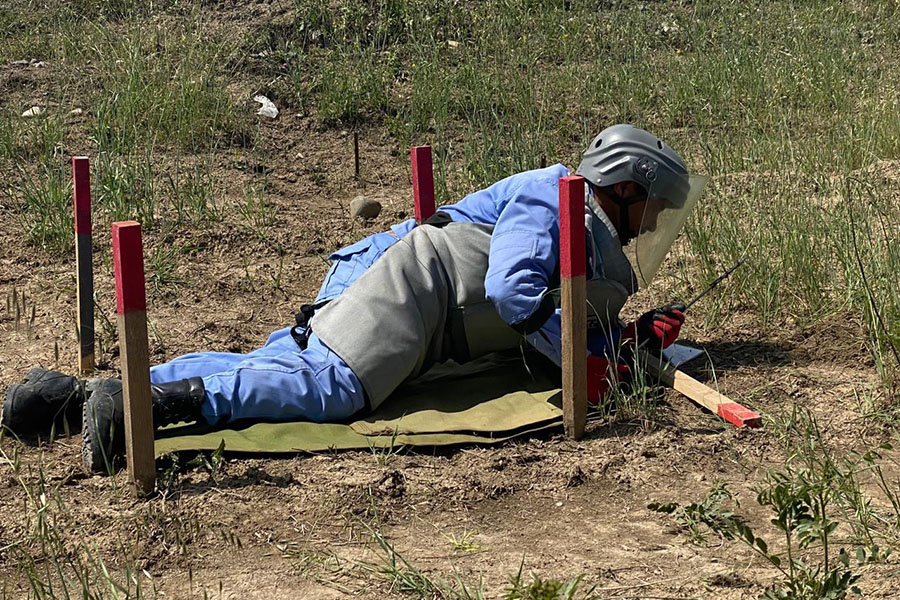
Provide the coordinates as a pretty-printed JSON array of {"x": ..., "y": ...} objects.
[
  {"x": 81, "y": 179},
  {"x": 573, "y": 302},
  {"x": 705, "y": 396},
  {"x": 422, "y": 181},
  {"x": 131, "y": 307}
]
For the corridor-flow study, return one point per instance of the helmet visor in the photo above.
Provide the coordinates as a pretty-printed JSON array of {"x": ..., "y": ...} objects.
[{"x": 662, "y": 221}]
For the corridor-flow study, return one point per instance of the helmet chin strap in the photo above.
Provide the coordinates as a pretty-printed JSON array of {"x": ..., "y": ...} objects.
[{"x": 624, "y": 216}]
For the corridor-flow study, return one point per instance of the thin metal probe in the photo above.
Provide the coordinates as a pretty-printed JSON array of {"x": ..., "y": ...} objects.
[{"x": 717, "y": 281}]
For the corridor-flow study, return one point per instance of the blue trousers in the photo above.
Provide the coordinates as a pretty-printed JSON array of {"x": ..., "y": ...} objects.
[{"x": 276, "y": 382}]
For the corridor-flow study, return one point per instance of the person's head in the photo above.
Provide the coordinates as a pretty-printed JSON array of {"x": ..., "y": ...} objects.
[{"x": 634, "y": 176}]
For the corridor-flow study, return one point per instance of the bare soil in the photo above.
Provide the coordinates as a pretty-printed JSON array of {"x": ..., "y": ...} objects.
[{"x": 289, "y": 527}]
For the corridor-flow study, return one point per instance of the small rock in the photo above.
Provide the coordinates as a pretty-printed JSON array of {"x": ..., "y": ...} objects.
[
  {"x": 34, "y": 111},
  {"x": 364, "y": 208},
  {"x": 76, "y": 112},
  {"x": 267, "y": 109}
]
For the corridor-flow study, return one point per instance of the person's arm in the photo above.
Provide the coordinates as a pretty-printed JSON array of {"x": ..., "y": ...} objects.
[
  {"x": 524, "y": 255},
  {"x": 605, "y": 367},
  {"x": 548, "y": 340}
]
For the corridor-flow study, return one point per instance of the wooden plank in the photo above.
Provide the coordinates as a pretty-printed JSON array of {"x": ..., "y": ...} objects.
[
  {"x": 131, "y": 308},
  {"x": 702, "y": 394},
  {"x": 573, "y": 303},
  {"x": 422, "y": 181},
  {"x": 84, "y": 259}
]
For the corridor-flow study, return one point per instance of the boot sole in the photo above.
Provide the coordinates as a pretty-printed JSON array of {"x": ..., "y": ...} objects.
[
  {"x": 102, "y": 445},
  {"x": 92, "y": 454}
]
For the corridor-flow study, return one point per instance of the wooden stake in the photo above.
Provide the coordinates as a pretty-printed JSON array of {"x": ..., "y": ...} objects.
[
  {"x": 705, "y": 396},
  {"x": 572, "y": 261},
  {"x": 422, "y": 181},
  {"x": 84, "y": 263},
  {"x": 131, "y": 307},
  {"x": 356, "y": 154}
]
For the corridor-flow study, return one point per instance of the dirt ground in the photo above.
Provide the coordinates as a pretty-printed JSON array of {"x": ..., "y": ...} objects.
[{"x": 299, "y": 526}]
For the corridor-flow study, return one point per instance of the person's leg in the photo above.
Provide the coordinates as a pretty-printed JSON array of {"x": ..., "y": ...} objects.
[
  {"x": 314, "y": 384},
  {"x": 286, "y": 385}
]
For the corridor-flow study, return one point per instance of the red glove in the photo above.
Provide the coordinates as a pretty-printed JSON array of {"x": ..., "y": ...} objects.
[
  {"x": 656, "y": 329},
  {"x": 602, "y": 376}
]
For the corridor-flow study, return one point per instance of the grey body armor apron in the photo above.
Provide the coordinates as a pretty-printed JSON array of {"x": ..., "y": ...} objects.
[{"x": 421, "y": 303}]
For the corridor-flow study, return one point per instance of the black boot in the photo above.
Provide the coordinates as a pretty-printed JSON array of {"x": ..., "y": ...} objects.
[
  {"x": 103, "y": 438},
  {"x": 46, "y": 401}
]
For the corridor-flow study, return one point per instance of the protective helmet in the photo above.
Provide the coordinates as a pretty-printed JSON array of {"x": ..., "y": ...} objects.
[{"x": 625, "y": 153}]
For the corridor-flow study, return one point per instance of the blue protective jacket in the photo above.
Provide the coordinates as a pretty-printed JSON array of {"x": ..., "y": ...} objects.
[{"x": 524, "y": 254}]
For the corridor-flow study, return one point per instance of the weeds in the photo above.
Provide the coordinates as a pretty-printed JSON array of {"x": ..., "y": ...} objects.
[
  {"x": 463, "y": 542},
  {"x": 845, "y": 475},
  {"x": 21, "y": 311},
  {"x": 257, "y": 213},
  {"x": 163, "y": 263},
  {"x": 541, "y": 589},
  {"x": 707, "y": 515},
  {"x": 637, "y": 400},
  {"x": 407, "y": 578},
  {"x": 809, "y": 499},
  {"x": 45, "y": 213},
  {"x": 385, "y": 454},
  {"x": 52, "y": 562},
  {"x": 790, "y": 107}
]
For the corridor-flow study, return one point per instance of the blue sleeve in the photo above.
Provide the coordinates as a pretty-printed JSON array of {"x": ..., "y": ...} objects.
[
  {"x": 524, "y": 249},
  {"x": 548, "y": 340}
]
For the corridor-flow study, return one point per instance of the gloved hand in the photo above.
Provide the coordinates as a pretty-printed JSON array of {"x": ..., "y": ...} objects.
[
  {"x": 602, "y": 376},
  {"x": 656, "y": 329}
]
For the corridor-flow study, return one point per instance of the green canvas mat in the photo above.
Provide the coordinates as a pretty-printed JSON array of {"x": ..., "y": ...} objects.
[{"x": 483, "y": 402}]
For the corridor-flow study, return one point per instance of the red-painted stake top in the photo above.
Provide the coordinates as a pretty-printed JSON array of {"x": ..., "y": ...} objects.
[
  {"x": 81, "y": 180},
  {"x": 739, "y": 415},
  {"x": 572, "y": 256},
  {"x": 422, "y": 181},
  {"x": 128, "y": 265}
]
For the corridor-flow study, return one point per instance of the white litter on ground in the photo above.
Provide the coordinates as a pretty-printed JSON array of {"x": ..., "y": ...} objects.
[{"x": 267, "y": 109}]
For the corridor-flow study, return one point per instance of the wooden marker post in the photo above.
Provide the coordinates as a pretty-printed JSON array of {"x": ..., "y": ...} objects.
[
  {"x": 573, "y": 300},
  {"x": 81, "y": 178},
  {"x": 356, "y": 154},
  {"x": 422, "y": 181},
  {"x": 131, "y": 307}
]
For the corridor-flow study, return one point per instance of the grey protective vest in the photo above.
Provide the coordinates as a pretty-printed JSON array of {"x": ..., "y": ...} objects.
[{"x": 423, "y": 303}]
